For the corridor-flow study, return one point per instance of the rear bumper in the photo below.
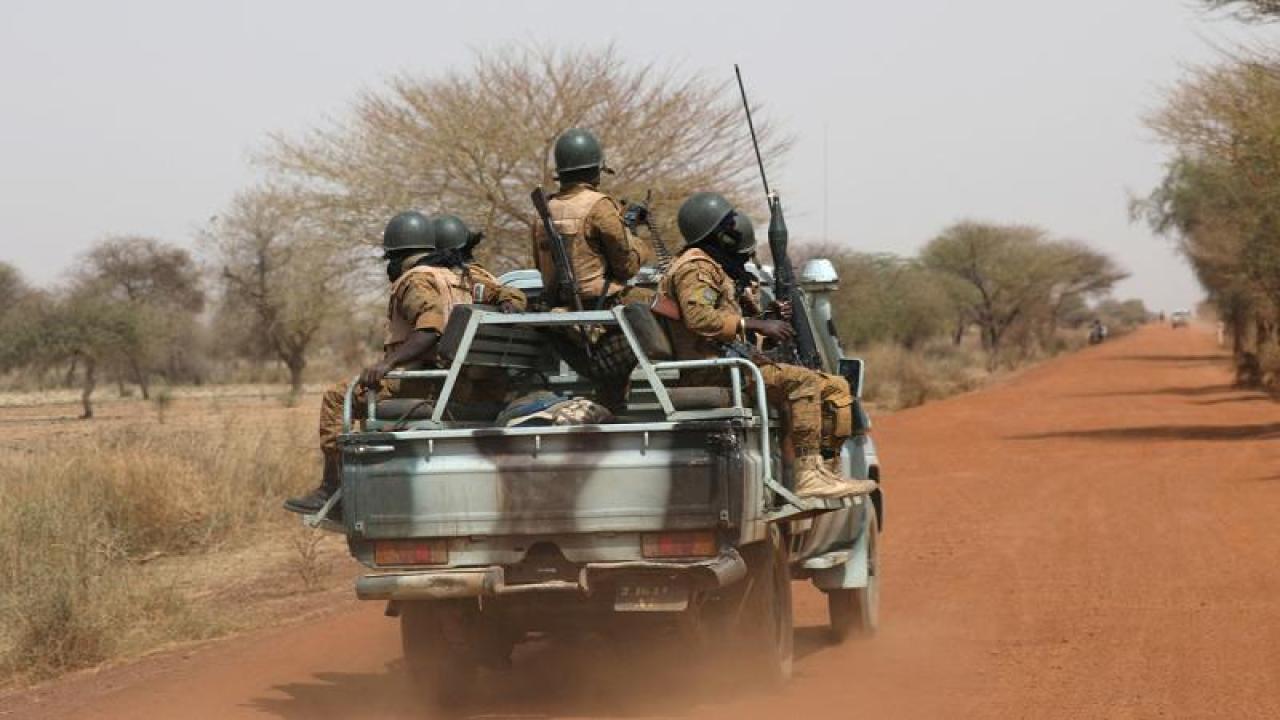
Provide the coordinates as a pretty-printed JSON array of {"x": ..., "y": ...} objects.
[{"x": 716, "y": 572}]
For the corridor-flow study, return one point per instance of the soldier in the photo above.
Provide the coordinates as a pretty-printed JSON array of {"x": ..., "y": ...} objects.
[
  {"x": 604, "y": 252},
  {"x": 704, "y": 282},
  {"x": 429, "y": 275},
  {"x": 835, "y": 394},
  {"x": 605, "y": 255}
]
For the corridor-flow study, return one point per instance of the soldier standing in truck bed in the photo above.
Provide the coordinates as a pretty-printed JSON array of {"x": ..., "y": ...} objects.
[
  {"x": 429, "y": 274},
  {"x": 705, "y": 282},
  {"x": 605, "y": 255}
]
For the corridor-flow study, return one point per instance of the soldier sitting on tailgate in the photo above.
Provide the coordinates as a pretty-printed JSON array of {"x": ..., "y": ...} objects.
[
  {"x": 429, "y": 270},
  {"x": 835, "y": 394},
  {"x": 704, "y": 282},
  {"x": 605, "y": 255}
]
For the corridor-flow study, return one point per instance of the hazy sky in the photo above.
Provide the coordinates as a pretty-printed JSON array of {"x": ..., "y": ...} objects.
[{"x": 140, "y": 117}]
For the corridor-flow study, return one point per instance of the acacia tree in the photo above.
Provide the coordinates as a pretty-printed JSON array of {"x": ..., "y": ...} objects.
[
  {"x": 1078, "y": 273},
  {"x": 1001, "y": 273},
  {"x": 161, "y": 283},
  {"x": 1221, "y": 194},
  {"x": 79, "y": 325},
  {"x": 475, "y": 142},
  {"x": 291, "y": 274}
]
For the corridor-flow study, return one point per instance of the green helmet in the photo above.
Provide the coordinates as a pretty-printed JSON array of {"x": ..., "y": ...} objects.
[
  {"x": 450, "y": 232},
  {"x": 578, "y": 149},
  {"x": 702, "y": 214},
  {"x": 409, "y": 230},
  {"x": 746, "y": 233}
]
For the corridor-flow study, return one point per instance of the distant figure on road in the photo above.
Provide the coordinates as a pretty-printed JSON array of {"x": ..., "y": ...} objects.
[
  {"x": 1222, "y": 334},
  {"x": 1097, "y": 332}
]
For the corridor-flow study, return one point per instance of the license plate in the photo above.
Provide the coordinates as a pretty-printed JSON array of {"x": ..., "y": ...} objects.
[{"x": 651, "y": 596}]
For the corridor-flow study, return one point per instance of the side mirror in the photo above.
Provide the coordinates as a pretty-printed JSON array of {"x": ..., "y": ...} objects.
[{"x": 853, "y": 369}]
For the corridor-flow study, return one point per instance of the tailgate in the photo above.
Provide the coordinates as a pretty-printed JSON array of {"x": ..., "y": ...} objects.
[{"x": 533, "y": 481}]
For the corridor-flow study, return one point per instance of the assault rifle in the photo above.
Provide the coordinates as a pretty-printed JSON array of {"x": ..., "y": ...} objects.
[
  {"x": 566, "y": 280},
  {"x": 803, "y": 350}
]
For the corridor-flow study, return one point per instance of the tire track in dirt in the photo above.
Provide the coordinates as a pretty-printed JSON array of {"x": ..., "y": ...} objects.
[{"x": 1094, "y": 538}]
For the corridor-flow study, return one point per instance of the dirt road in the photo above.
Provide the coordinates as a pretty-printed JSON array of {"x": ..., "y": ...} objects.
[{"x": 1097, "y": 538}]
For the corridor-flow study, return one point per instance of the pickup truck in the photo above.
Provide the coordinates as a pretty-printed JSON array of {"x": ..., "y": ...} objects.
[{"x": 675, "y": 517}]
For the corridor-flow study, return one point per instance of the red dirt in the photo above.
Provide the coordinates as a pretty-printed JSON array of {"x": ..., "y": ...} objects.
[{"x": 1099, "y": 537}]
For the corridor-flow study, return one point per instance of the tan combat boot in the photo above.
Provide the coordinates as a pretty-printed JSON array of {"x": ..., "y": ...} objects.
[
  {"x": 814, "y": 480},
  {"x": 833, "y": 466}
]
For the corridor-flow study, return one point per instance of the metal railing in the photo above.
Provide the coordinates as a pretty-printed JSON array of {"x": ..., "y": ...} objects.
[{"x": 649, "y": 370}]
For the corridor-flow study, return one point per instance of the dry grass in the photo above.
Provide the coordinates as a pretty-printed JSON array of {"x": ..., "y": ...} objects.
[
  {"x": 83, "y": 514},
  {"x": 899, "y": 378}
]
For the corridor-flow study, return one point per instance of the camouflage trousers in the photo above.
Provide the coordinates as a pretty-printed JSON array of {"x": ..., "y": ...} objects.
[
  {"x": 611, "y": 361},
  {"x": 331, "y": 410},
  {"x": 475, "y": 385},
  {"x": 837, "y": 411},
  {"x": 798, "y": 389}
]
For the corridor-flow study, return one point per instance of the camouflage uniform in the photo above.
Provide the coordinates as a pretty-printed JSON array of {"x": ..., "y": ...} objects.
[
  {"x": 834, "y": 391},
  {"x": 604, "y": 255},
  {"x": 421, "y": 299},
  {"x": 712, "y": 315}
]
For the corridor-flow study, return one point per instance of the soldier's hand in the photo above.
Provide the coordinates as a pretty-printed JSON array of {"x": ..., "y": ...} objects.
[
  {"x": 635, "y": 215},
  {"x": 776, "y": 330},
  {"x": 371, "y": 377},
  {"x": 781, "y": 308}
]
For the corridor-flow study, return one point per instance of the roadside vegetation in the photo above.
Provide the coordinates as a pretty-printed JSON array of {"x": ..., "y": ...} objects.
[
  {"x": 99, "y": 529},
  {"x": 980, "y": 299},
  {"x": 1220, "y": 197}
]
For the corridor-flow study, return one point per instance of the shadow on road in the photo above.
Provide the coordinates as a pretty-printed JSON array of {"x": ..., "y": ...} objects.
[
  {"x": 1172, "y": 358},
  {"x": 548, "y": 679},
  {"x": 1261, "y": 431},
  {"x": 1257, "y": 397},
  {"x": 1181, "y": 391}
]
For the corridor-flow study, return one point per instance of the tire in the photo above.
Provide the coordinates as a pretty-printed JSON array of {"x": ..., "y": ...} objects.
[
  {"x": 440, "y": 667},
  {"x": 766, "y": 623},
  {"x": 855, "y": 612}
]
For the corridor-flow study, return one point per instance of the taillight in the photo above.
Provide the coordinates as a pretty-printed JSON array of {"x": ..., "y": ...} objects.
[
  {"x": 696, "y": 543},
  {"x": 410, "y": 552}
]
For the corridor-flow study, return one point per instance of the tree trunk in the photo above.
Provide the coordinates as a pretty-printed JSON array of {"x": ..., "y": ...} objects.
[
  {"x": 140, "y": 377},
  {"x": 90, "y": 382},
  {"x": 70, "y": 377},
  {"x": 296, "y": 364}
]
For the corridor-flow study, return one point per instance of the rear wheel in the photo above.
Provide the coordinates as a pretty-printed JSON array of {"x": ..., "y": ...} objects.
[
  {"x": 766, "y": 623},
  {"x": 433, "y": 637},
  {"x": 856, "y": 611}
]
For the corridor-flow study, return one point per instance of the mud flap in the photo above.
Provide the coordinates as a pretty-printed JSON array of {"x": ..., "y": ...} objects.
[{"x": 852, "y": 571}]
